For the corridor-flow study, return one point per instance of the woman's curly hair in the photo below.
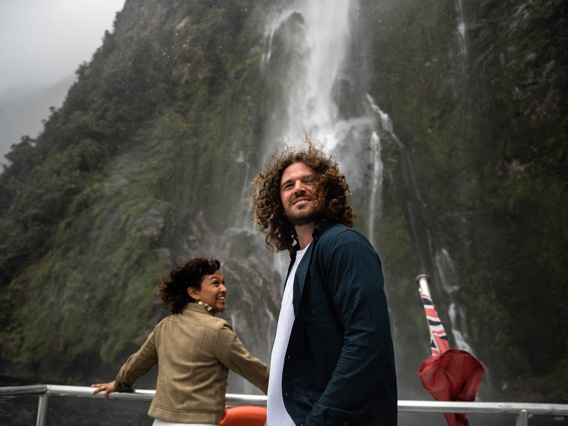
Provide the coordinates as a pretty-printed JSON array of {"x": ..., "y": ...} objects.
[
  {"x": 268, "y": 212},
  {"x": 173, "y": 289}
]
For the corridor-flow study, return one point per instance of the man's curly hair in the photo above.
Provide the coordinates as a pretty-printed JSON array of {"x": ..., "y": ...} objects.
[{"x": 268, "y": 212}]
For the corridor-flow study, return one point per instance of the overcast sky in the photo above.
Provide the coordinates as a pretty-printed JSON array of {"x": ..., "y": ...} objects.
[{"x": 44, "y": 41}]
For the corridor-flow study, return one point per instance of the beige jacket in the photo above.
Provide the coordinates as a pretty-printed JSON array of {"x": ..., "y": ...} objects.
[{"x": 195, "y": 351}]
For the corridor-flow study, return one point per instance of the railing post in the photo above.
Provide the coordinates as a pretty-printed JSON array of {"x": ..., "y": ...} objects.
[
  {"x": 42, "y": 409},
  {"x": 522, "y": 418}
]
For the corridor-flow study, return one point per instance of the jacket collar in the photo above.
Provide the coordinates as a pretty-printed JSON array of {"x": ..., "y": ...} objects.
[
  {"x": 194, "y": 307},
  {"x": 302, "y": 271},
  {"x": 319, "y": 230}
]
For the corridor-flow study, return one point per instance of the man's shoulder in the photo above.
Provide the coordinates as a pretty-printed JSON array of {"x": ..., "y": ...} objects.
[
  {"x": 330, "y": 231},
  {"x": 337, "y": 237}
]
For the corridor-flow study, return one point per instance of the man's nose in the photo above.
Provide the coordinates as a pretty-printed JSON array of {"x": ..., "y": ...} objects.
[{"x": 299, "y": 187}]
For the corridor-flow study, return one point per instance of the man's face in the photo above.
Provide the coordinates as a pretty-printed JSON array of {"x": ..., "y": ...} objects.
[{"x": 298, "y": 193}]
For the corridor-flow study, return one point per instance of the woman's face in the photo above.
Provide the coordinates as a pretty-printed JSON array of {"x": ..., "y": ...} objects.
[{"x": 212, "y": 291}]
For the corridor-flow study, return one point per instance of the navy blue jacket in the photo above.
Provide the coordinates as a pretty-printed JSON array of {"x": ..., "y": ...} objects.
[{"x": 339, "y": 367}]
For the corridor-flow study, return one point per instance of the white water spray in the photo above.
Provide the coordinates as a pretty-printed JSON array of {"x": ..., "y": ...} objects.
[
  {"x": 323, "y": 31},
  {"x": 377, "y": 183},
  {"x": 449, "y": 277},
  {"x": 461, "y": 28},
  {"x": 321, "y": 37},
  {"x": 312, "y": 105}
]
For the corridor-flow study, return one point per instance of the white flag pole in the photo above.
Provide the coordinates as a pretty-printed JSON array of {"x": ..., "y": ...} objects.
[{"x": 423, "y": 284}]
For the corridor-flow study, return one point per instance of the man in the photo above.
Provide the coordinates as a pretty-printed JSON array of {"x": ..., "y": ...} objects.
[{"x": 332, "y": 362}]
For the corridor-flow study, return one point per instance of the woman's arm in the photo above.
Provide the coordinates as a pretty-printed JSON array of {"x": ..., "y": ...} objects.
[{"x": 236, "y": 357}]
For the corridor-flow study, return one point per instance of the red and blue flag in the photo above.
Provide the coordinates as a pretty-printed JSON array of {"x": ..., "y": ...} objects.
[{"x": 448, "y": 374}]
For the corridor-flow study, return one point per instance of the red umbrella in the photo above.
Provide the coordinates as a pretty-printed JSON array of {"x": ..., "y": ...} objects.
[{"x": 448, "y": 374}]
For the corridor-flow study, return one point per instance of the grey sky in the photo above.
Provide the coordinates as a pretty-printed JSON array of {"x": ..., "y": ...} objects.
[{"x": 44, "y": 41}]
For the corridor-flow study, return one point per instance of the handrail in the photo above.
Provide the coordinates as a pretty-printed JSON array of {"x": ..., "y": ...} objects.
[{"x": 521, "y": 409}]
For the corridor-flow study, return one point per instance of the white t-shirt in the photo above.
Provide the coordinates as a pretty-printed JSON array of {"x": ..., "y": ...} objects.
[{"x": 276, "y": 411}]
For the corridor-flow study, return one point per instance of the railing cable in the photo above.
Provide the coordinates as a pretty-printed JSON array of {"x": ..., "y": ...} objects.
[{"x": 521, "y": 410}]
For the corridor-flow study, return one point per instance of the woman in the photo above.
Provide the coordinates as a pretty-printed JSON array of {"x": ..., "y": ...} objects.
[{"x": 194, "y": 350}]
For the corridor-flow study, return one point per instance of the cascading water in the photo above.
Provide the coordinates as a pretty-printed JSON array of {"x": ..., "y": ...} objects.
[
  {"x": 316, "y": 40},
  {"x": 311, "y": 90},
  {"x": 386, "y": 126},
  {"x": 319, "y": 33},
  {"x": 448, "y": 277},
  {"x": 460, "y": 66},
  {"x": 311, "y": 105},
  {"x": 445, "y": 268},
  {"x": 376, "y": 183},
  {"x": 460, "y": 30}
]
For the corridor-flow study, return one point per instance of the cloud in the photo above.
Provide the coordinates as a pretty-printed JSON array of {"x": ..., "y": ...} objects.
[{"x": 44, "y": 41}]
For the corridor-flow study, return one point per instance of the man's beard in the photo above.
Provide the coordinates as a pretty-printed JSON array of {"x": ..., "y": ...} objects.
[{"x": 299, "y": 218}]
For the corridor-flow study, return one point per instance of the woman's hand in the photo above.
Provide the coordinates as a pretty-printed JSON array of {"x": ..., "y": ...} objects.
[{"x": 107, "y": 387}]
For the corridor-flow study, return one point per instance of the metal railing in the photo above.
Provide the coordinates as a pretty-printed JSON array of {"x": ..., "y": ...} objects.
[{"x": 522, "y": 410}]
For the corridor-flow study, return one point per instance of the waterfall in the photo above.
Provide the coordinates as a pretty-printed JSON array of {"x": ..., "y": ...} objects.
[
  {"x": 312, "y": 105},
  {"x": 414, "y": 214},
  {"x": 445, "y": 267},
  {"x": 320, "y": 39},
  {"x": 446, "y": 271},
  {"x": 461, "y": 84},
  {"x": 448, "y": 277},
  {"x": 461, "y": 28},
  {"x": 320, "y": 36},
  {"x": 377, "y": 183},
  {"x": 305, "y": 50}
]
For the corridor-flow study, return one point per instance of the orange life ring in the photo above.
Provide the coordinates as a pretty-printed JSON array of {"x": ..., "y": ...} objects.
[{"x": 245, "y": 415}]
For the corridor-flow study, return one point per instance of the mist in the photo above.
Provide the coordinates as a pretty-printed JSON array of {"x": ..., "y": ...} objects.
[{"x": 42, "y": 43}]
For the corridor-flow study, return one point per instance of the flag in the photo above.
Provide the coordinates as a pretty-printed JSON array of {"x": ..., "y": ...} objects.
[
  {"x": 448, "y": 374},
  {"x": 438, "y": 338}
]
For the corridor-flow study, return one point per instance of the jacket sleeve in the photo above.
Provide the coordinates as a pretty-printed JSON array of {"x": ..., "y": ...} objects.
[
  {"x": 353, "y": 273},
  {"x": 137, "y": 365},
  {"x": 235, "y": 356}
]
